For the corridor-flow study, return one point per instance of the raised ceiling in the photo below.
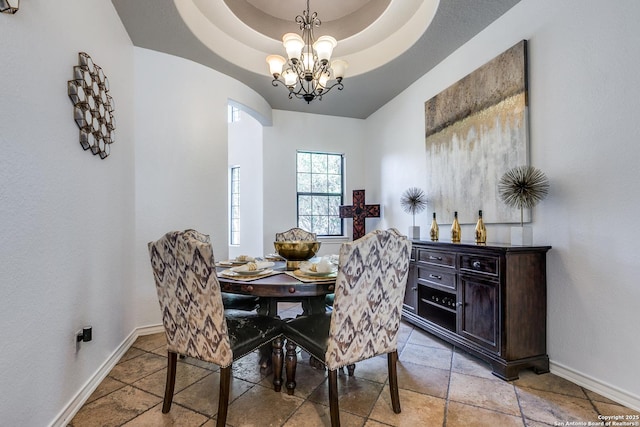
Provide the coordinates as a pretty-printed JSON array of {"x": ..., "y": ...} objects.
[{"x": 389, "y": 44}]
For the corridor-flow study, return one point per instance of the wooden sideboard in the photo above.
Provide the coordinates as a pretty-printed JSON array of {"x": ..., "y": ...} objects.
[{"x": 490, "y": 300}]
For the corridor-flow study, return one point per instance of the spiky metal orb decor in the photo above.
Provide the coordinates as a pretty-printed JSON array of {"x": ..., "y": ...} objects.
[
  {"x": 413, "y": 201},
  {"x": 523, "y": 187}
]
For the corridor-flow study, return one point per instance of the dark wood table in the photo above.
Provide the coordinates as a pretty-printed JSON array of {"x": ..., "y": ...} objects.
[
  {"x": 272, "y": 290},
  {"x": 280, "y": 288}
]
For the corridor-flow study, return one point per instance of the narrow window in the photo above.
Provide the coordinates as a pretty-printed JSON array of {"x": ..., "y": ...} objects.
[
  {"x": 320, "y": 192},
  {"x": 233, "y": 114},
  {"x": 234, "y": 237}
]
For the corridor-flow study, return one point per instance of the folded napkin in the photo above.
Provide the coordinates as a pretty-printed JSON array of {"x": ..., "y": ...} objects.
[{"x": 324, "y": 266}]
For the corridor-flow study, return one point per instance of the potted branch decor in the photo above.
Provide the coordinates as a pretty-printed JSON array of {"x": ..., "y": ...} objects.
[
  {"x": 413, "y": 201},
  {"x": 522, "y": 187}
]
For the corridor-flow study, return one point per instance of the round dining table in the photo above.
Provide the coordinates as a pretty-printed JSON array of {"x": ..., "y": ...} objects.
[
  {"x": 281, "y": 287},
  {"x": 271, "y": 290}
]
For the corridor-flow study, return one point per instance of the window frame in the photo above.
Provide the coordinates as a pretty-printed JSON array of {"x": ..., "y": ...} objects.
[
  {"x": 322, "y": 194},
  {"x": 233, "y": 178}
]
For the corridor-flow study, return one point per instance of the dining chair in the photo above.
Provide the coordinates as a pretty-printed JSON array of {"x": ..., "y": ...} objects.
[
  {"x": 294, "y": 234},
  {"x": 193, "y": 316},
  {"x": 366, "y": 312}
]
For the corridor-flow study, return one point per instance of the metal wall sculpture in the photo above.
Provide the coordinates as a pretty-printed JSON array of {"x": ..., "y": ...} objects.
[
  {"x": 476, "y": 130},
  {"x": 92, "y": 106}
]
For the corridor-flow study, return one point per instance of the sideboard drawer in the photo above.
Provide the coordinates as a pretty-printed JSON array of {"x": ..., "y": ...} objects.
[
  {"x": 480, "y": 264},
  {"x": 444, "y": 259},
  {"x": 436, "y": 277}
]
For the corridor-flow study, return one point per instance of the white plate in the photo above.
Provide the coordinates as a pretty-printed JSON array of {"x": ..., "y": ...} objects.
[
  {"x": 310, "y": 273},
  {"x": 243, "y": 270},
  {"x": 263, "y": 272},
  {"x": 235, "y": 262}
]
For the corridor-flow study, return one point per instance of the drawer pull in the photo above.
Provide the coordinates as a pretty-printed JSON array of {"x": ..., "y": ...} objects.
[
  {"x": 476, "y": 264},
  {"x": 438, "y": 258},
  {"x": 435, "y": 276},
  {"x": 414, "y": 288},
  {"x": 459, "y": 303}
]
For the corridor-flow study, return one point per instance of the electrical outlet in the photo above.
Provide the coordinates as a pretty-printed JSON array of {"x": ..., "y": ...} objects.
[{"x": 85, "y": 335}]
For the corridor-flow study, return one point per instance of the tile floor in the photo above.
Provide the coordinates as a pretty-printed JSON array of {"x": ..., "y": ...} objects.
[{"x": 439, "y": 386}]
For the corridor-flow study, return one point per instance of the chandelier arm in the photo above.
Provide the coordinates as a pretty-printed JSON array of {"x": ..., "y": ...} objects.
[{"x": 326, "y": 90}]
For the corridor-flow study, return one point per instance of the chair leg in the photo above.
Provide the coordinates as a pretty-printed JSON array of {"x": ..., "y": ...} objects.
[
  {"x": 392, "y": 359},
  {"x": 277, "y": 358},
  {"x": 291, "y": 362},
  {"x": 172, "y": 358},
  {"x": 223, "y": 400},
  {"x": 333, "y": 398},
  {"x": 351, "y": 369}
]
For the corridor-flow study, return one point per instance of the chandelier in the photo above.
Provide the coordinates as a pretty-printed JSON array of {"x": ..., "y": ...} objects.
[{"x": 309, "y": 72}]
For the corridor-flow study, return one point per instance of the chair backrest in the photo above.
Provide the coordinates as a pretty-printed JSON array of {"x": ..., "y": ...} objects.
[
  {"x": 368, "y": 297},
  {"x": 296, "y": 234},
  {"x": 190, "y": 297}
]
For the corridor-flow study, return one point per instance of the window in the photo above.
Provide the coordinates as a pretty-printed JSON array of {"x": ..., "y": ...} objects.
[
  {"x": 319, "y": 189},
  {"x": 234, "y": 237},
  {"x": 233, "y": 114}
]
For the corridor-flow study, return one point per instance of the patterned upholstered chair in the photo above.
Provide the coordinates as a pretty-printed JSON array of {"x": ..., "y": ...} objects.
[
  {"x": 296, "y": 234},
  {"x": 366, "y": 312},
  {"x": 193, "y": 316}
]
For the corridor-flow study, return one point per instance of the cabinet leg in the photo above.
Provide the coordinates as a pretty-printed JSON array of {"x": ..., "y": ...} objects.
[
  {"x": 541, "y": 366},
  {"x": 507, "y": 373}
]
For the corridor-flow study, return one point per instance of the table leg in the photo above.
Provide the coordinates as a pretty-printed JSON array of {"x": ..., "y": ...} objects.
[
  {"x": 277, "y": 359},
  {"x": 267, "y": 307},
  {"x": 291, "y": 361}
]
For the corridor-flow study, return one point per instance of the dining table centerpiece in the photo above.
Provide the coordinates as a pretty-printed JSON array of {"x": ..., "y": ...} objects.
[{"x": 295, "y": 251}]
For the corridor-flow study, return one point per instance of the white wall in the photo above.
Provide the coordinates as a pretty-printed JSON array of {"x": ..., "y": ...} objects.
[
  {"x": 301, "y": 131},
  {"x": 245, "y": 151},
  {"x": 584, "y": 135},
  {"x": 66, "y": 216},
  {"x": 181, "y": 158}
]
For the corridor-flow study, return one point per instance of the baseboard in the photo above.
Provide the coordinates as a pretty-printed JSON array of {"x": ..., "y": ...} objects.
[
  {"x": 72, "y": 408},
  {"x": 620, "y": 396}
]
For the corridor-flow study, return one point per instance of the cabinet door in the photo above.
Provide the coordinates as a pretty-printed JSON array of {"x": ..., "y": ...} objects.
[
  {"x": 478, "y": 311},
  {"x": 411, "y": 292}
]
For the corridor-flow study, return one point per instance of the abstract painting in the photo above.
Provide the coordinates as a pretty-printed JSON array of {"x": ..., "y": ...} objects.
[{"x": 476, "y": 130}]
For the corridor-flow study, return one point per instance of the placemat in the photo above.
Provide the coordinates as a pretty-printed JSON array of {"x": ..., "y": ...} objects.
[
  {"x": 307, "y": 279},
  {"x": 228, "y": 274}
]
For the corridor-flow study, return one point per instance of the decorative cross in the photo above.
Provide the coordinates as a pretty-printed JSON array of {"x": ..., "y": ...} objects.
[{"x": 359, "y": 211}]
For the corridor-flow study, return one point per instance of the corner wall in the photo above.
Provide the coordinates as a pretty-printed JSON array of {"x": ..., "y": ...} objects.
[
  {"x": 584, "y": 137},
  {"x": 181, "y": 158},
  {"x": 66, "y": 216}
]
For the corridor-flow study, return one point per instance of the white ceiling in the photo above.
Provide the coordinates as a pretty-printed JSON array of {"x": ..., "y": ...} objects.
[{"x": 388, "y": 43}]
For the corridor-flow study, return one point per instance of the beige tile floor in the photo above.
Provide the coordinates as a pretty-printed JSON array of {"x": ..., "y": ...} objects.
[{"x": 439, "y": 386}]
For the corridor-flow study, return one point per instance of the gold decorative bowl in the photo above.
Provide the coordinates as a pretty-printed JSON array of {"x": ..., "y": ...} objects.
[{"x": 296, "y": 251}]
